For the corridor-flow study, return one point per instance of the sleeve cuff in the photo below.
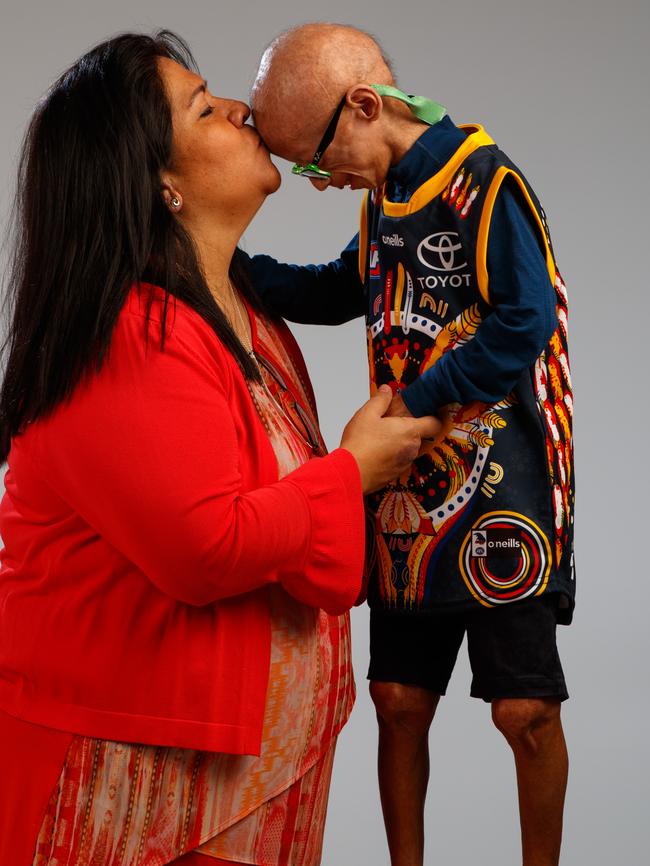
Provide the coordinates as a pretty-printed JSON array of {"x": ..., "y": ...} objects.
[
  {"x": 417, "y": 400},
  {"x": 331, "y": 575}
]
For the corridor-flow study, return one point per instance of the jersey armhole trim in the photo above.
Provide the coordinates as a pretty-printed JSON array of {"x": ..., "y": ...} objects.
[
  {"x": 484, "y": 230},
  {"x": 363, "y": 238}
]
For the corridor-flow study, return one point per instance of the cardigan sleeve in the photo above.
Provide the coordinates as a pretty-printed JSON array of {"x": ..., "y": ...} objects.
[{"x": 147, "y": 453}]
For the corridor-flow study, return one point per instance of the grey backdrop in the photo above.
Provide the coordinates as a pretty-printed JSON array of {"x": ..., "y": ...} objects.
[{"x": 561, "y": 86}]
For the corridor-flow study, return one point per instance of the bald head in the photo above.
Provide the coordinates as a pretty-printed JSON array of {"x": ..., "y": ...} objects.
[{"x": 304, "y": 73}]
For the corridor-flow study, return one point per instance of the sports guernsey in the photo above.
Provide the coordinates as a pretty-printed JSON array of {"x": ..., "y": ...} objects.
[{"x": 484, "y": 516}]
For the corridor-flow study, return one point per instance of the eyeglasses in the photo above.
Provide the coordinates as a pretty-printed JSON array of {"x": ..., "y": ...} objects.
[
  {"x": 276, "y": 387},
  {"x": 312, "y": 169}
]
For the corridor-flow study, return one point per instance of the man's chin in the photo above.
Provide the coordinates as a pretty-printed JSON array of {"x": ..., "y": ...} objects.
[{"x": 355, "y": 182}]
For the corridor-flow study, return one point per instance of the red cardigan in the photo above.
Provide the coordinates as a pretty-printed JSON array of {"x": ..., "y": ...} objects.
[{"x": 142, "y": 520}]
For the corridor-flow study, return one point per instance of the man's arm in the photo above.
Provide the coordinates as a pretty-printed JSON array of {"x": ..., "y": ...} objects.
[
  {"x": 311, "y": 294},
  {"x": 512, "y": 336}
]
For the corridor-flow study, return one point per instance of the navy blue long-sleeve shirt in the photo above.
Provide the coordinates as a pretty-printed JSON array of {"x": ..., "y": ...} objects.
[{"x": 509, "y": 339}]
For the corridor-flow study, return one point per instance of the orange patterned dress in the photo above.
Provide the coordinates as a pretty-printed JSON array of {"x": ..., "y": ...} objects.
[{"x": 126, "y": 804}]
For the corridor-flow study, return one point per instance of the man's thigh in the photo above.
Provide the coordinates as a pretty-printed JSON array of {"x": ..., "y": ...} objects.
[
  {"x": 414, "y": 648},
  {"x": 513, "y": 651}
]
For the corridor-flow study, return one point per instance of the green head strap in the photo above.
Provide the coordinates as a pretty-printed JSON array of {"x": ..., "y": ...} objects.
[{"x": 424, "y": 109}]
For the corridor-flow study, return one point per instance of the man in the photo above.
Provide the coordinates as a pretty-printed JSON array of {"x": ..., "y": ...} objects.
[{"x": 466, "y": 318}]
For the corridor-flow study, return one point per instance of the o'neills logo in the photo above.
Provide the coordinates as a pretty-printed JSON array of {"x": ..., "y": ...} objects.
[
  {"x": 393, "y": 240},
  {"x": 486, "y": 542},
  {"x": 505, "y": 556}
]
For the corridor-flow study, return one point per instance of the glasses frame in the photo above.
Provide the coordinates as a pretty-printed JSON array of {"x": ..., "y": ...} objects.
[
  {"x": 313, "y": 441},
  {"x": 424, "y": 109},
  {"x": 312, "y": 170}
]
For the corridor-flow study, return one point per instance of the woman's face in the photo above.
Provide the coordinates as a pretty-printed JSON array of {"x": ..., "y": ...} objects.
[{"x": 219, "y": 165}]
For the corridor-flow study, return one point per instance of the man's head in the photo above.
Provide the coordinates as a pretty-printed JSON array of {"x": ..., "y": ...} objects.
[{"x": 303, "y": 76}]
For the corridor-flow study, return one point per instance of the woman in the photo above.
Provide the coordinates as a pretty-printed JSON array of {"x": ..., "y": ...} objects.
[{"x": 180, "y": 550}]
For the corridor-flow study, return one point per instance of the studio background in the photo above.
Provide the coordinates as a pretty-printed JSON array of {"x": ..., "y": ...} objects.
[{"x": 561, "y": 86}]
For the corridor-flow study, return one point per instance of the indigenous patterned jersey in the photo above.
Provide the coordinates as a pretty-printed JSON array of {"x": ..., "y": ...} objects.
[{"x": 484, "y": 516}]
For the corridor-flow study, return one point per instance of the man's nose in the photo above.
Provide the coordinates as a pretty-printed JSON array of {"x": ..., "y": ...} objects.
[
  {"x": 238, "y": 112},
  {"x": 319, "y": 183}
]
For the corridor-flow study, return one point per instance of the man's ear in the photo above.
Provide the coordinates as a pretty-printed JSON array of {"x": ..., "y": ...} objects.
[{"x": 364, "y": 98}]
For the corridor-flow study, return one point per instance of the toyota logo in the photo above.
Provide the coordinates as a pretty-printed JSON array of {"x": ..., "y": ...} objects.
[{"x": 438, "y": 251}]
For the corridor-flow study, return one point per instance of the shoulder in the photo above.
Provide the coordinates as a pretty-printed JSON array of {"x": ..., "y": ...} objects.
[
  {"x": 138, "y": 376},
  {"x": 186, "y": 331}
]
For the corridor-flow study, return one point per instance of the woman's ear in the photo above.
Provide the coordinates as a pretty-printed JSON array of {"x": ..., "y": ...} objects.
[
  {"x": 365, "y": 99},
  {"x": 171, "y": 197}
]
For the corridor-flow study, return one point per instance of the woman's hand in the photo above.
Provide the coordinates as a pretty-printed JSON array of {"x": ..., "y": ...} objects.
[{"x": 384, "y": 446}]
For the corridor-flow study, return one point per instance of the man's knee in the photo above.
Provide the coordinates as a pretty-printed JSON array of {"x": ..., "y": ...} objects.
[
  {"x": 404, "y": 706},
  {"x": 526, "y": 722}
]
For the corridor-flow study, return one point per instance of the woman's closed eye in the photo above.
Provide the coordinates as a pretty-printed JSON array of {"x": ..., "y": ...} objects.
[{"x": 206, "y": 111}]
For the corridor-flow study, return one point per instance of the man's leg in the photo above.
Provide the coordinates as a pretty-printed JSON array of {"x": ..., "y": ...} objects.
[
  {"x": 533, "y": 730},
  {"x": 516, "y": 666},
  {"x": 411, "y": 660},
  {"x": 404, "y": 715}
]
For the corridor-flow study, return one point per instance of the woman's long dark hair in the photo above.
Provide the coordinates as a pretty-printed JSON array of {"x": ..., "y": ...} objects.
[{"x": 90, "y": 221}]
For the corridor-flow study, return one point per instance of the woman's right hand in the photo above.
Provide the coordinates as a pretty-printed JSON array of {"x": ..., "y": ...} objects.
[{"x": 384, "y": 446}]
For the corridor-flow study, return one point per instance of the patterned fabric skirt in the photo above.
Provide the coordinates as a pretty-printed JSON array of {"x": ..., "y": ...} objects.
[
  {"x": 129, "y": 804},
  {"x": 80, "y": 801},
  {"x": 286, "y": 830}
]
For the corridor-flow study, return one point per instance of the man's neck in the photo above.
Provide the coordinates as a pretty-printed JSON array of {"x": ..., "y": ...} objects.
[{"x": 404, "y": 133}]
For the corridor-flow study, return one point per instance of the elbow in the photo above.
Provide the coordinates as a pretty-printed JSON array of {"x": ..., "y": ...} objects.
[
  {"x": 200, "y": 575},
  {"x": 334, "y": 599},
  {"x": 201, "y": 587},
  {"x": 195, "y": 599},
  {"x": 188, "y": 584},
  {"x": 233, "y": 560},
  {"x": 540, "y": 334},
  {"x": 543, "y": 323},
  {"x": 552, "y": 324},
  {"x": 529, "y": 339}
]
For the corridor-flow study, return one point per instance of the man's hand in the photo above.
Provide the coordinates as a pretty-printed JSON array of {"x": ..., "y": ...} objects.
[
  {"x": 384, "y": 447},
  {"x": 398, "y": 407}
]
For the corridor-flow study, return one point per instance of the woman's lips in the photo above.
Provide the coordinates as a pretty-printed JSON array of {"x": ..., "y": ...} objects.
[{"x": 255, "y": 133}]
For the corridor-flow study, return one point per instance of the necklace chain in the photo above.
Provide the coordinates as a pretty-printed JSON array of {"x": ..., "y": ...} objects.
[
  {"x": 251, "y": 353},
  {"x": 237, "y": 304}
]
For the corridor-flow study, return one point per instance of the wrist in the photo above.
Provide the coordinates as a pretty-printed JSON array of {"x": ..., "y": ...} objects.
[
  {"x": 411, "y": 403},
  {"x": 365, "y": 480}
]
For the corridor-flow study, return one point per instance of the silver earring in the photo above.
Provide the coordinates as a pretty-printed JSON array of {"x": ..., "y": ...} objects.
[{"x": 176, "y": 202}]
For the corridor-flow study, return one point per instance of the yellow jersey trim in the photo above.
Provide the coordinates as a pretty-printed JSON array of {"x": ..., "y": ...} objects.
[
  {"x": 399, "y": 291},
  {"x": 435, "y": 185},
  {"x": 363, "y": 237},
  {"x": 484, "y": 230}
]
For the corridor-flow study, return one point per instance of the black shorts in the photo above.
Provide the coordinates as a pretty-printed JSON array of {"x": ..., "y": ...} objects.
[{"x": 512, "y": 649}]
